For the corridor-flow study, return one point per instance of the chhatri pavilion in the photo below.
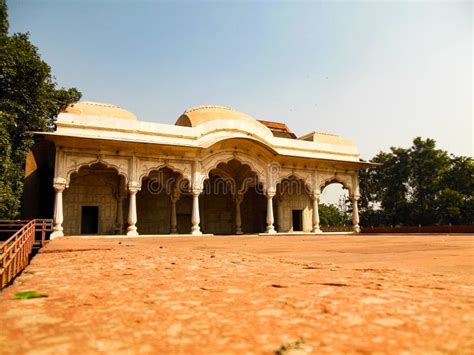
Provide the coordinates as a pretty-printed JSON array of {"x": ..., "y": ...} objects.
[{"x": 215, "y": 171}]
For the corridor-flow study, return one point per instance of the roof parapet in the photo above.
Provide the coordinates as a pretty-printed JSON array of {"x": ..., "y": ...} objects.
[{"x": 327, "y": 138}]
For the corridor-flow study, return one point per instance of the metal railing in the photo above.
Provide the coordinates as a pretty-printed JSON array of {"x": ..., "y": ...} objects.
[
  {"x": 7, "y": 227},
  {"x": 15, "y": 252}
]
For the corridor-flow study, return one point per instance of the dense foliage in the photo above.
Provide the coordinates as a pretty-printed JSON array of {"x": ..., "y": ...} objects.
[
  {"x": 332, "y": 215},
  {"x": 29, "y": 101},
  {"x": 421, "y": 185}
]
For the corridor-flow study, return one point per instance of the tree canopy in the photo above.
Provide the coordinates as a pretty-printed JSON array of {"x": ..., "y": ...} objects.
[
  {"x": 420, "y": 185},
  {"x": 332, "y": 215},
  {"x": 29, "y": 101}
]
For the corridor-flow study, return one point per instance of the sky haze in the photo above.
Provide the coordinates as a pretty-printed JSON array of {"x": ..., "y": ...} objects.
[{"x": 378, "y": 73}]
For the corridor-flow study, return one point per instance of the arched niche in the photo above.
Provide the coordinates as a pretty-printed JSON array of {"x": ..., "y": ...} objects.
[
  {"x": 334, "y": 209},
  {"x": 91, "y": 201},
  {"x": 247, "y": 152},
  {"x": 224, "y": 191},
  {"x": 146, "y": 167},
  {"x": 74, "y": 162},
  {"x": 292, "y": 204},
  {"x": 160, "y": 189}
]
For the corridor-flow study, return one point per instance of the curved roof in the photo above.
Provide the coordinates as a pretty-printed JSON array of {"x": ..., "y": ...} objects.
[
  {"x": 199, "y": 127},
  {"x": 195, "y": 116},
  {"x": 90, "y": 108}
]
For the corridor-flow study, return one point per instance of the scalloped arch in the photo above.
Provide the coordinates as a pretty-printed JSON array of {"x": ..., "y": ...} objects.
[
  {"x": 99, "y": 160},
  {"x": 212, "y": 161},
  {"x": 174, "y": 167},
  {"x": 306, "y": 178},
  {"x": 345, "y": 181}
]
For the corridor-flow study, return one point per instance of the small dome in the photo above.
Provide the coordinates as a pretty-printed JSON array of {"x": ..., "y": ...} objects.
[
  {"x": 90, "y": 108},
  {"x": 202, "y": 114}
]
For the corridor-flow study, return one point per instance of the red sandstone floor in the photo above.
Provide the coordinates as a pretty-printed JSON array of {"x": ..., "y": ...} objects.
[{"x": 357, "y": 294}]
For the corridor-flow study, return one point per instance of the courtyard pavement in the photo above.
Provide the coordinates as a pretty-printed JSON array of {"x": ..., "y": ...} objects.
[{"x": 319, "y": 294}]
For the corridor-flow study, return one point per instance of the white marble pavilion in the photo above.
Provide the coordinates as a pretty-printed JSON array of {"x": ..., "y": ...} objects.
[{"x": 215, "y": 171}]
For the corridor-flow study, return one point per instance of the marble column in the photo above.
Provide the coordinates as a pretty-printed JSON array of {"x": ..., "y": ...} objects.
[
  {"x": 238, "y": 219},
  {"x": 316, "y": 228},
  {"x": 355, "y": 215},
  {"x": 195, "y": 220},
  {"x": 173, "y": 220},
  {"x": 270, "y": 219},
  {"x": 58, "y": 216},
  {"x": 132, "y": 211}
]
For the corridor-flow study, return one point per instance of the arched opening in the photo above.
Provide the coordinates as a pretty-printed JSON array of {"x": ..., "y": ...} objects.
[
  {"x": 218, "y": 214},
  {"x": 93, "y": 203},
  {"x": 229, "y": 203},
  {"x": 163, "y": 203},
  {"x": 254, "y": 210},
  {"x": 293, "y": 206},
  {"x": 184, "y": 210},
  {"x": 335, "y": 208}
]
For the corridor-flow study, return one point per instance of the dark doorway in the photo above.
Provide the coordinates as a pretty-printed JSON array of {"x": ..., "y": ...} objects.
[
  {"x": 253, "y": 211},
  {"x": 297, "y": 220},
  {"x": 184, "y": 223},
  {"x": 90, "y": 220}
]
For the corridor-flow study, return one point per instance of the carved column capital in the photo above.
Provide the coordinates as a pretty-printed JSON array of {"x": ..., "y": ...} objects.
[
  {"x": 59, "y": 184},
  {"x": 270, "y": 193},
  {"x": 316, "y": 195},
  {"x": 239, "y": 198},
  {"x": 196, "y": 192},
  {"x": 134, "y": 187},
  {"x": 175, "y": 195}
]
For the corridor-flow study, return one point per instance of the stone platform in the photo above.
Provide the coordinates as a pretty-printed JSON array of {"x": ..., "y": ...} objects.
[{"x": 357, "y": 294}]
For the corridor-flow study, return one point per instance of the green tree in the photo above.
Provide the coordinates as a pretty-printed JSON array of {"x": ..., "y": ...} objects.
[
  {"x": 449, "y": 207},
  {"x": 456, "y": 202},
  {"x": 420, "y": 185},
  {"x": 29, "y": 102},
  {"x": 331, "y": 215},
  {"x": 3, "y": 19},
  {"x": 427, "y": 167},
  {"x": 385, "y": 190}
]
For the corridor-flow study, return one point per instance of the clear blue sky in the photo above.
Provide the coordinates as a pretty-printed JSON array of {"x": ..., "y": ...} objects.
[{"x": 378, "y": 73}]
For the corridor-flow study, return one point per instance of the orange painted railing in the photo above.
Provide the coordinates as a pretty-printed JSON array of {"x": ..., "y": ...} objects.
[{"x": 15, "y": 252}]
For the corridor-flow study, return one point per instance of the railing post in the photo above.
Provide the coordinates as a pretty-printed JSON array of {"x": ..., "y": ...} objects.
[{"x": 43, "y": 232}]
